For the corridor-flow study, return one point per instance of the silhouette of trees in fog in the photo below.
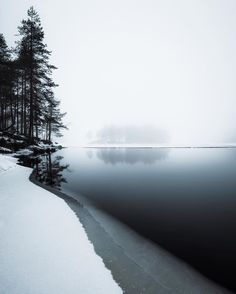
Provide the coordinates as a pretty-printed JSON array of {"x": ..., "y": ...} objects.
[
  {"x": 27, "y": 103},
  {"x": 131, "y": 135}
]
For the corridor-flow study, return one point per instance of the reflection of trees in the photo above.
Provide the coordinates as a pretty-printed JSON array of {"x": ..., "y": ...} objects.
[
  {"x": 132, "y": 155},
  {"x": 29, "y": 161},
  {"x": 50, "y": 171}
]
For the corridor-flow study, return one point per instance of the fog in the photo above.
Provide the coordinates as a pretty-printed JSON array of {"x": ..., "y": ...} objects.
[
  {"x": 169, "y": 64},
  {"x": 143, "y": 135}
]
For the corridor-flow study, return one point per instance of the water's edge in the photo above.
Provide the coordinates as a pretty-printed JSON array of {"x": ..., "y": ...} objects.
[
  {"x": 106, "y": 248},
  {"x": 166, "y": 274}
]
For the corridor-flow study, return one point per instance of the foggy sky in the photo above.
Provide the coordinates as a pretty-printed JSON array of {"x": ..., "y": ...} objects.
[{"x": 168, "y": 63}]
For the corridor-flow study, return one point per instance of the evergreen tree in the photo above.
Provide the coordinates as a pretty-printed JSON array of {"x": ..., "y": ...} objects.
[
  {"x": 38, "y": 71},
  {"x": 6, "y": 86},
  {"x": 27, "y": 102}
]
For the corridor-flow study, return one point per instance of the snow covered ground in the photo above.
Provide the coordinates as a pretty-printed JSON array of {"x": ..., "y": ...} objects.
[{"x": 43, "y": 247}]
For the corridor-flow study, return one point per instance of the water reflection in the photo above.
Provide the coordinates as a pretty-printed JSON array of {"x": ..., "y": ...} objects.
[
  {"x": 48, "y": 170},
  {"x": 132, "y": 155},
  {"x": 183, "y": 200}
]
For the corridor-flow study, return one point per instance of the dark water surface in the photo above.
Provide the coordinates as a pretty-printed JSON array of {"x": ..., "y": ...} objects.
[{"x": 182, "y": 199}]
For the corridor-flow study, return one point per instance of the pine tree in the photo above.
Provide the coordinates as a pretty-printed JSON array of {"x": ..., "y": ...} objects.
[
  {"x": 27, "y": 102},
  {"x": 34, "y": 56},
  {"x": 6, "y": 86}
]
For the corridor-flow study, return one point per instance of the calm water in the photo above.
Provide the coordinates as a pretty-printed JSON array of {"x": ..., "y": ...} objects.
[{"x": 182, "y": 199}]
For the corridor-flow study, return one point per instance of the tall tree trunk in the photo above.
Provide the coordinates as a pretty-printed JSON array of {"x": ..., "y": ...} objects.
[
  {"x": 22, "y": 104},
  {"x": 31, "y": 119}
]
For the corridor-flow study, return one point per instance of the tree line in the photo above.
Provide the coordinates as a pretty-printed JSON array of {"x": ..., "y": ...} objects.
[{"x": 28, "y": 105}]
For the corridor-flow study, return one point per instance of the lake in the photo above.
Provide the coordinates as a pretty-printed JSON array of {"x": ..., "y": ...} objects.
[{"x": 183, "y": 199}]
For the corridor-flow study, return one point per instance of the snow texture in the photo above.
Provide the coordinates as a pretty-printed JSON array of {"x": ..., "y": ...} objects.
[
  {"x": 5, "y": 150},
  {"x": 43, "y": 247}
]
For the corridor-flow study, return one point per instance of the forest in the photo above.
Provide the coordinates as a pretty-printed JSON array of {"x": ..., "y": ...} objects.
[{"x": 28, "y": 106}]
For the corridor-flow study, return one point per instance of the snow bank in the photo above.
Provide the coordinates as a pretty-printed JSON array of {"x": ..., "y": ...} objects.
[
  {"x": 43, "y": 247},
  {"x": 6, "y": 162},
  {"x": 5, "y": 150}
]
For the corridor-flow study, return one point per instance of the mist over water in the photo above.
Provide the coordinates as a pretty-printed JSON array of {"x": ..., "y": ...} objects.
[
  {"x": 166, "y": 63},
  {"x": 146, "y": 73},
  {"x": 182, "y": 199},
  {"x": 130, "y": 134}
]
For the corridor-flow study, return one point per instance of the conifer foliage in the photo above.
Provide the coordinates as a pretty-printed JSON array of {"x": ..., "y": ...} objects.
[{"x": 28, "y": 105}]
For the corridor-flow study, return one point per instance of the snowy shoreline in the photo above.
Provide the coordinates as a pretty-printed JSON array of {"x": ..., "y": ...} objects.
[
  {"x": 45, "y": 239},
  {"x": 136, "y": 263},
  {"x": 43, "y": 246}
]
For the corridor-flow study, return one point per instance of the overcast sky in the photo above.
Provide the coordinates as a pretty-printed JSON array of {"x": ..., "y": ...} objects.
[{"x": 167, "y": 63}]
